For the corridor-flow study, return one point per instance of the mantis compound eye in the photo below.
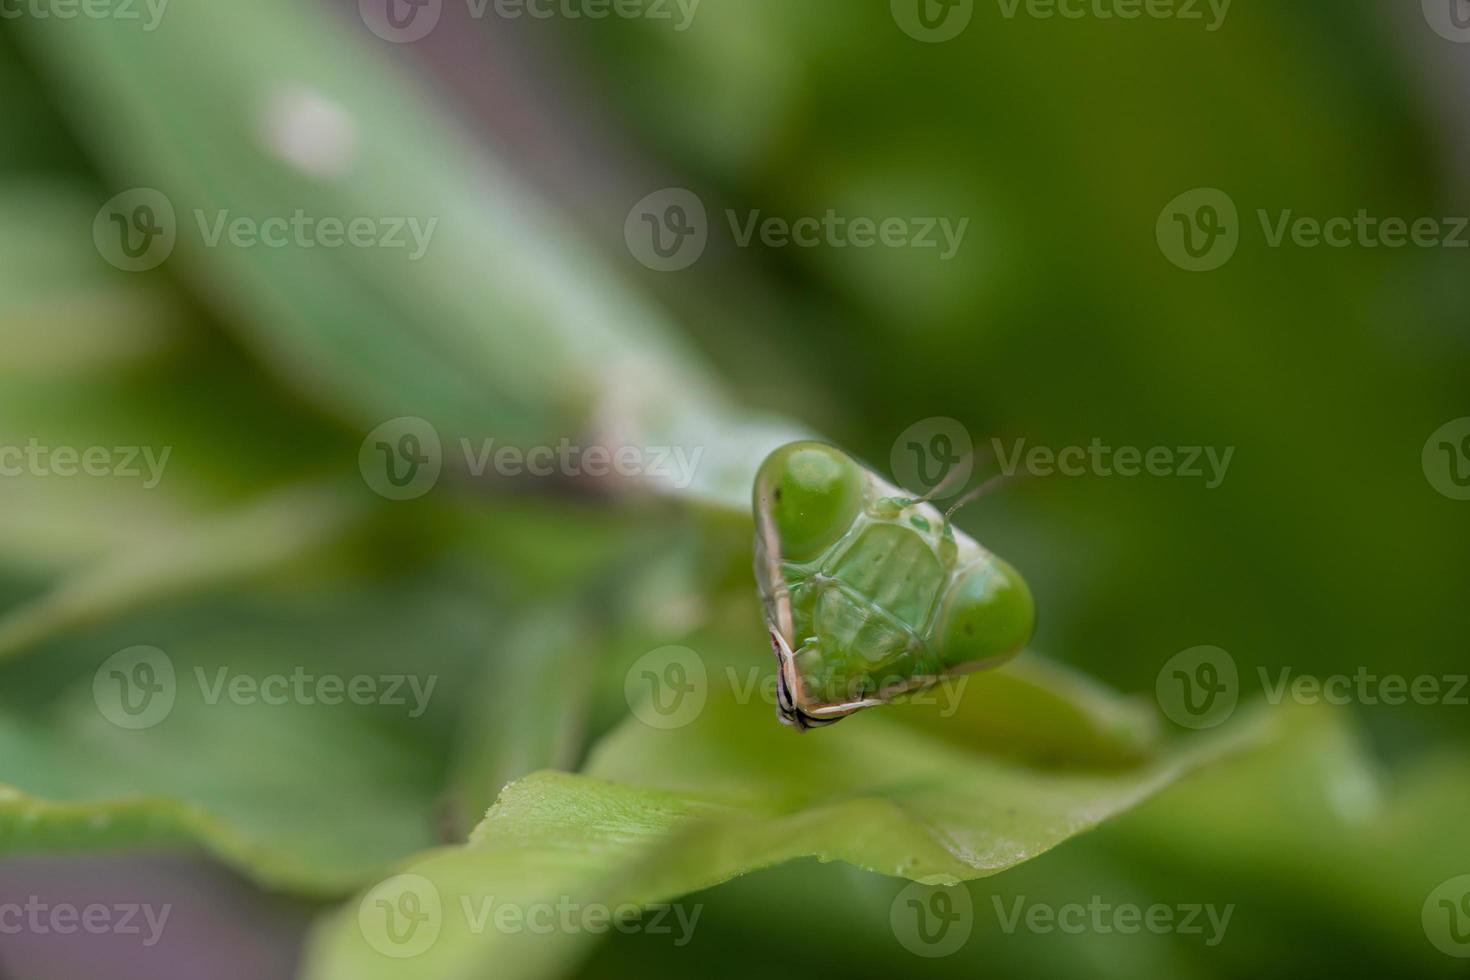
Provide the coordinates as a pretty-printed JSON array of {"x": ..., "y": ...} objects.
[
  {"x": 808, "y": 495},
  {"x": 987, "y": 615}
]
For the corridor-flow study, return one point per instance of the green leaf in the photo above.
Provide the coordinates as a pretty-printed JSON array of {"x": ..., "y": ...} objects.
[
  {"x": 533, "y": 707},
  {"x": 297, "y": 802},
  {"x": 265, "y": 535},
  {"x": 1045, "y": 714},
  {"x": 660, "y": 813},
  {"x": 315, "y": 792},
  {"x": 1303, "y": 826},
  {"x": 508, "y": 325},
  {"x": 62, "y": 312},
  {"x": 557, "y": 680}
]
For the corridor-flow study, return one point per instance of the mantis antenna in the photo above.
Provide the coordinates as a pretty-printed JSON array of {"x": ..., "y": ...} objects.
[
  {"x": 944, "y": 486},
  {"x": 994, "y": 483}
]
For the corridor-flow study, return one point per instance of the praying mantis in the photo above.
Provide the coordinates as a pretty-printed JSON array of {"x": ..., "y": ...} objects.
[{"x": 870, "y": 593}]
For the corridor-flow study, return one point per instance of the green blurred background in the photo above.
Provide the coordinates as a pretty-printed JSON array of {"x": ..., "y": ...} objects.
[{"x": 1326, "y": 549}]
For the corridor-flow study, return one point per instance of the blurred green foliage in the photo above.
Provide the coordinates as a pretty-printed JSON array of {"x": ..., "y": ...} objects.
[{"x": 1325, "y": 550}]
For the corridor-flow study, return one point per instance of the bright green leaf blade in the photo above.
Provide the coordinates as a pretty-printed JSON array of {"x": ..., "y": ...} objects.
[
  {"x": 662, "y": 813},
  {"x": 1042, "y": 713},
  {"x": 883, "y": 795}
]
